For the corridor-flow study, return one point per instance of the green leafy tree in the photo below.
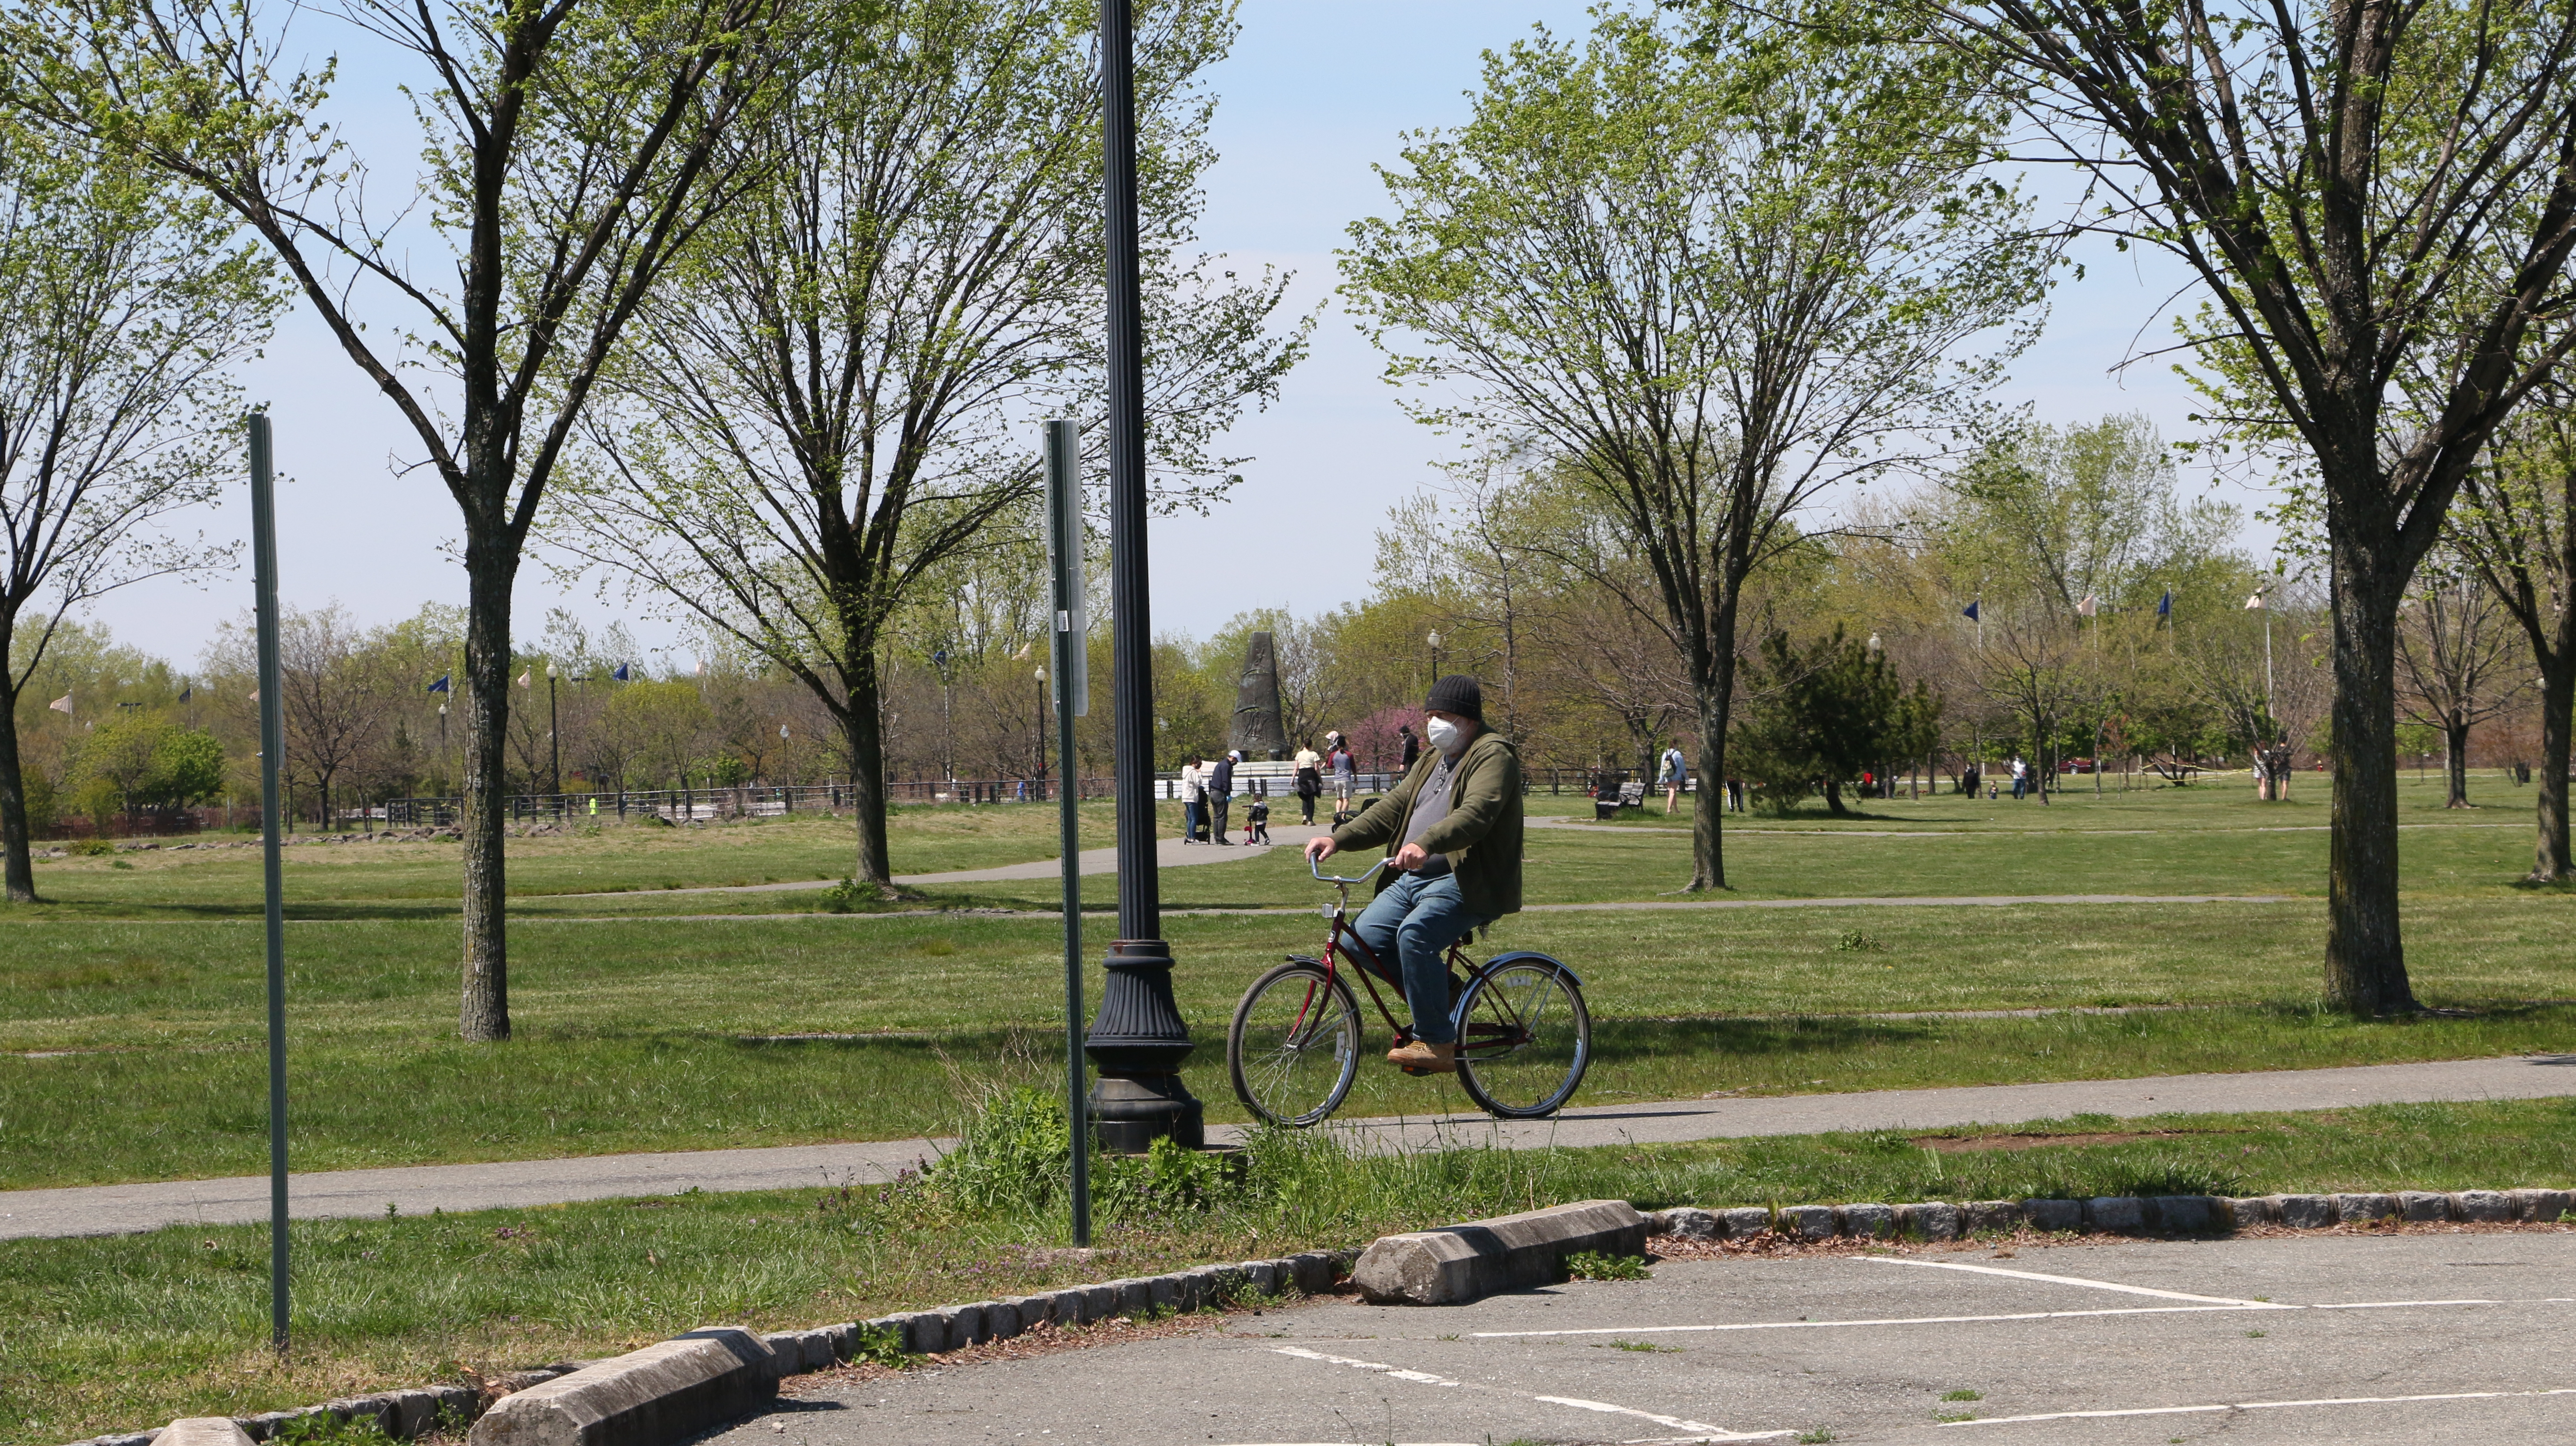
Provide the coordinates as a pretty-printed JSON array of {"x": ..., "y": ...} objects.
[
  {"x": 832, "y": 397},
  {"x": 1826, "y": 714},
  {"x": 2377, "y": 201},
  {"x": 2517, "y": 523},
  {"x": 146, "y": 760},
  {"x": 125, "y": 303},
  {"x": 572, "y": 149},
  {"x": 1716, "y": 280}
]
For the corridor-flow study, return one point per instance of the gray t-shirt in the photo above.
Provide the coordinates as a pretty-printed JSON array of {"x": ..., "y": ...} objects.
[{"x": 1430, "y": 805}]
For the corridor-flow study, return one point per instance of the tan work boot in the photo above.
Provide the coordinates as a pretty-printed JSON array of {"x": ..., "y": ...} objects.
[{"x": 1418, "y": 1057}]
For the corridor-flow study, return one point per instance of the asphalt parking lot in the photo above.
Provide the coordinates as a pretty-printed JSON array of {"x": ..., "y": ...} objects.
[{"x": 2419, "y": 1337}]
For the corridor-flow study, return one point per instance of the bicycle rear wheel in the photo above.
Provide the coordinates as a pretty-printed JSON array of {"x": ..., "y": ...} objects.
[
  {"x": 1524, "y": 1037},
  {"x": 1295, "y": 1045}
]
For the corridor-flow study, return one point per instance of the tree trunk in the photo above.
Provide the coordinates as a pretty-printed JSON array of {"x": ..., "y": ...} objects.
[
  {"x": 2365, "y": 957},
  {"x": 2557, "y": 697},
  {"x": 1713, "y": 694},
  {"x": 14, "y": 841},
  {"x": 2455, "y": 760},
  {"x": 865, "y": 738},
  {"x": 491, "y": 572},
  {"x": 1834, "y": 797}
]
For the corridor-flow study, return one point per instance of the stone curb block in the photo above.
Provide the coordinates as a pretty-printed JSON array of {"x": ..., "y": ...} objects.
[
  {"x": 2110, "y": 1214},
  {"x": 203, "y": 1431},
  {"x": 405, "y": 1414},
  {"x": 664, "y": 1392},
  {"x": 955, "y": 1327},
  {"x": 1471, "y": 1261}
]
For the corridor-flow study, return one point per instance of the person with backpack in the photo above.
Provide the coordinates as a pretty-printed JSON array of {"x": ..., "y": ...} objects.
[
  {"x": 1310, "y": 782},
  {"x": 1676, "y": 773}
]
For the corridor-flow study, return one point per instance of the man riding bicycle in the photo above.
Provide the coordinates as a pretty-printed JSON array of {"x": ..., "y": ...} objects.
[{"x": 1454, "y": 831}]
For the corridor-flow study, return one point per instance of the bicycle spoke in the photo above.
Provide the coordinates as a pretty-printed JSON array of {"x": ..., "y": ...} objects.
[
  {"x": 1294, "y": 1046},
  {"x": 1536, "y": 1040}
]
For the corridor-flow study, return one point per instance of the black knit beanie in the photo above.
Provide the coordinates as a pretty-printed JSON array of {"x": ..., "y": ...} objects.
[{"x": 1457, "y": 694}]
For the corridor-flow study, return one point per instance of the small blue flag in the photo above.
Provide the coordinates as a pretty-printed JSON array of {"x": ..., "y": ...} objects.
[
  {"x": 1970, "y": 611},
  {"x": 620, "y": 674},
  {"x": 441, "y": 685},
  {"x": 2164, "y": 605}
]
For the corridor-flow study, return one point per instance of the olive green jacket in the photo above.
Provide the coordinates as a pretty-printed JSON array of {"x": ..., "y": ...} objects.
[{"x": 1481, "y": 836}]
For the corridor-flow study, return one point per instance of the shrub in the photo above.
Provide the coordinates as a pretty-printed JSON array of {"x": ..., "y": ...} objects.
[{"x": 1593, "y": 1265}]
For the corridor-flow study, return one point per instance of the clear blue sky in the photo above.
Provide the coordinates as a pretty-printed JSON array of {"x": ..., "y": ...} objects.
[{"x": 1314, "y": 94}]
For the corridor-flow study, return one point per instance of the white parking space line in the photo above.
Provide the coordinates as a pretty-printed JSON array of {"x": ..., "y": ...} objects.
[
  {"x": 1700, "y": 1430},
  {"x": 2265, "y": 1406},
  {"x": 1920, "y": 1320},
  {"x": 2070, "y": 1280}
]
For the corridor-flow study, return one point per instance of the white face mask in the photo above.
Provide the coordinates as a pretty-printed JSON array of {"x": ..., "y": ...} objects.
[{"x": 1446, "y": 736}]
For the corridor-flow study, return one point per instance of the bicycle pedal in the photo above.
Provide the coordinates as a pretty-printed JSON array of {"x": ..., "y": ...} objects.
[{"x": 1416, "y": 1073}]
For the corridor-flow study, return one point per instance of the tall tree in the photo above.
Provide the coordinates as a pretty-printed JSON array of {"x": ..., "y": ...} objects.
[
  {"x": 1827, "y": 713},
  {"x": 2461, "y": 660},
  {"x": 2518, "y": 524},
  {"x": 1718, "y": 279},
  {"x": 573, "y": 147},
  {"x": 2379, "y": 203},
  {"x": 125, "y": 304},
  {"x": 834, "y": 397}
]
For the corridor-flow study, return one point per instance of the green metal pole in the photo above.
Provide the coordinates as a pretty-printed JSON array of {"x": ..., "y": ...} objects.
[
  {"x": 272, "y": 746},
  {"x": 1072, "y": 698}
]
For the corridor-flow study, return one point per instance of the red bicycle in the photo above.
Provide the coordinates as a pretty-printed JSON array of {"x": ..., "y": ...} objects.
[{"x": 1524, "y": 1035}]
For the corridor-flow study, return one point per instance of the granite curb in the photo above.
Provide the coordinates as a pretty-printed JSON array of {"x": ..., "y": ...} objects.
[
  {"x": 406, "y": 1414},
  {"x": 2112, "y": 1215}
]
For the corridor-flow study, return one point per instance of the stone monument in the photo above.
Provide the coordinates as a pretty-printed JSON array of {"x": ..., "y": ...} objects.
[{"x": 1257, "y": 728}]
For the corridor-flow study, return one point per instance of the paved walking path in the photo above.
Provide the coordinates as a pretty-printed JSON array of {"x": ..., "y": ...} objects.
[
  {"x": 1919, "y": 901},
  {"x": 1169, "y": 853},
  {"x": 415, "y": 1190}
]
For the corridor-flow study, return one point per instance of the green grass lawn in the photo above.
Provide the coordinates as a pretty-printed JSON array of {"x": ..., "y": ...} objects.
[
  {"x": 638, "y": 1031},
  {"x": 421, "y": 879},
  {"x": 131, "y": 1016},
  {"x": 663, "y": 1034},
  {"x": 118, "y": 1333}
]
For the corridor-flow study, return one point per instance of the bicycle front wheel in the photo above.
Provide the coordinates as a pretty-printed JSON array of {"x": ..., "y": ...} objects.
[
  {"x": 1295, "y": 1045},
  {"x": 1524, "y": 1038}
]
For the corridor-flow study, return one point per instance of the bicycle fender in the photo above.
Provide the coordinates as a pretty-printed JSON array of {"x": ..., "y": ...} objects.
[{"x": 1518, "y": 955}]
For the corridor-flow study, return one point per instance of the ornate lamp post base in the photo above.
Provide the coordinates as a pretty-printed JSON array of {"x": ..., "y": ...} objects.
[{"x": 1138, "y": 1042}]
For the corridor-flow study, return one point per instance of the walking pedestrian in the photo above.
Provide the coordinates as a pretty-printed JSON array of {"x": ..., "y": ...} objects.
[
  {"x": 2020, "y": 778},
  {"x": 1193, "y": 799},
  {"x": 1412, "y": 746},
  {"x": 1346, "y": 777},
  {"x": 1220, "y": 787},
  {"x": 1676, "y": 772},
  {"x": 1310, "y": 782}
]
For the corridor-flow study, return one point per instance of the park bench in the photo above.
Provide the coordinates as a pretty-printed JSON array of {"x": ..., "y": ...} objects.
[{"x": 1631, "y": 794}]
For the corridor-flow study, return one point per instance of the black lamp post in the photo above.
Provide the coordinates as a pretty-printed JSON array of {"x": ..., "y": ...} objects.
[{"x": 1138, "y": 1039}]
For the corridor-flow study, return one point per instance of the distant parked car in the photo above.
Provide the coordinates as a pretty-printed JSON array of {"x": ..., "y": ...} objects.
[{"x": 2075, "y": 765}]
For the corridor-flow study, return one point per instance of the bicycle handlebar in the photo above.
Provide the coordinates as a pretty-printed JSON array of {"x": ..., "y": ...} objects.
[{"x": 1316, "y": 867}]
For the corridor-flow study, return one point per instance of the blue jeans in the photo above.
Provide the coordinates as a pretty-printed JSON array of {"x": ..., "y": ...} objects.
[
  {"x": 1413, "y": 924},
  {"x": 1192, "y": 812}
]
